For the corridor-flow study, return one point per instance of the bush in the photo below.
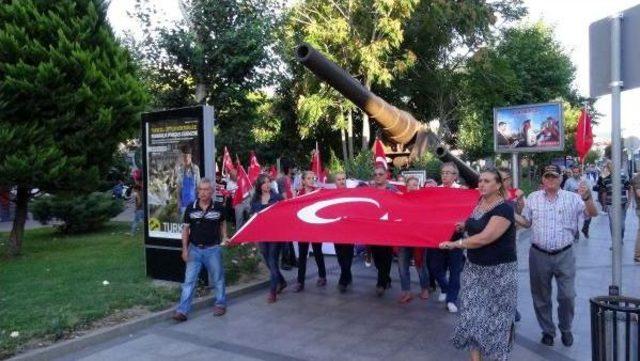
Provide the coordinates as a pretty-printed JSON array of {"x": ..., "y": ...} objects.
[
  {"x": 78, "y": 214},
  {"x": 361, "y": 167},
  {"x": 429, "y": 162}
]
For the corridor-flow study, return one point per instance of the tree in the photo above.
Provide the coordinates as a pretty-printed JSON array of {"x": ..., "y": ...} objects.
[
  {"x": 442, "y": 36},
  {"x": 219, "y": 52},
  {"x": 68, "y": 95},
  {"x": 361, "y": 36},
  {"x": 526, "y": 66}
]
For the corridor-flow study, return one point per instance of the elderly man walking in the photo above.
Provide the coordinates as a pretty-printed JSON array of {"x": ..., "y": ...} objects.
[
  {"x": 203, "y": 232},
  {"x": 554, "y": 215}
]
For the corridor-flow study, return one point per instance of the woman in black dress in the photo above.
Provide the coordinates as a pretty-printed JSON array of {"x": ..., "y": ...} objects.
[{"x": 489, "y": 280}]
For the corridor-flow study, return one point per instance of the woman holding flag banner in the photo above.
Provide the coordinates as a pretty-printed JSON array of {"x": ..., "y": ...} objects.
[
  {"x": 308, "y": 180},
  {"x": 263, "y": 198}
]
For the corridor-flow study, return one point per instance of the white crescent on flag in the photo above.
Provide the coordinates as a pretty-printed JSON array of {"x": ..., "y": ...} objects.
[{"x": 309, "y": 214}]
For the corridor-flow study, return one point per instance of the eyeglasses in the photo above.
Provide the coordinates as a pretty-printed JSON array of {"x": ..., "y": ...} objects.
[{"x": 446, "y": 172}]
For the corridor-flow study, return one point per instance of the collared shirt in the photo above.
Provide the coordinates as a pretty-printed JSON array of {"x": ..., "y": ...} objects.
[
  {"x": 554, "y": 221},
  {"x": 204, "y": 224}
]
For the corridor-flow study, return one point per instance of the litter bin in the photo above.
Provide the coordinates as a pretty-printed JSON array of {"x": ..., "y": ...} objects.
[{"x": 615, "y": 330}]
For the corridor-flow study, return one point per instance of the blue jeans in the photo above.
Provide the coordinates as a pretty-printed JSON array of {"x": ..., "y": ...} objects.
[
  {"x": 442, "y": 260},
  {"x": 137, "y": 217},
  {"x": 211, "y": 258},
  {"x": 271, "y": 252},
  {"x": 623, "y": 217},
  {"x": 405, "y": 254}
]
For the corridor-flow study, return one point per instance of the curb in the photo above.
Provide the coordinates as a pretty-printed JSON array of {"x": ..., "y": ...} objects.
[{"x": 102, "y": 335}]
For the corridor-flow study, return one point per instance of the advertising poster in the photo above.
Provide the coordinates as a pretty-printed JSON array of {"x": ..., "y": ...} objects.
[
  {"x": 173, "y": 173},
  {"x": 529, "y": 128}
]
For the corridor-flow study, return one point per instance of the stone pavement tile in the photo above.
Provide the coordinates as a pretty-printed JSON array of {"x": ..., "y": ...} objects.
[
  {"x": 212, "y": 354},
  {"x": 149, "y": 347}
]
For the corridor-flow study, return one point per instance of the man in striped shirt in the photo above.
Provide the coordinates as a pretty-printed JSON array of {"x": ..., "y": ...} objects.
[{"x": 554, "y": 214}]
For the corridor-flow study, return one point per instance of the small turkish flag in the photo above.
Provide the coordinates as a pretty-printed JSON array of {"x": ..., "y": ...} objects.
[
  {"x": 227, "y": 162},
  {"x": 379, "y": 157},
  {"x": 421, "y": 218},
  {"x": 584, "y": 135},
  {"x": 244, "y": 186},
  {"x": 254, "y": 168},
  {"x": 316, "y": 165}
]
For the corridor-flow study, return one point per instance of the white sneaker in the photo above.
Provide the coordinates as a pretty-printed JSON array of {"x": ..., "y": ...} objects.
[
  {"x": 452, "y": 307},
  {"x": 442, "y": 297}
]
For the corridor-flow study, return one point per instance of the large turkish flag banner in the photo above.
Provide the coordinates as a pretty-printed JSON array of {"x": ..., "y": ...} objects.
[{"x": 422, "y": 218}]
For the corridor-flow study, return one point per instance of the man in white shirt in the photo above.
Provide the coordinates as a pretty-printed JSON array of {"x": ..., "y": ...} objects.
[{"x": 554, "y": 215}]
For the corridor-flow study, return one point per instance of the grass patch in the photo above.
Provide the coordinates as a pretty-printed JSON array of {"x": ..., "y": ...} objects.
[{"x": 56, "y": 287}]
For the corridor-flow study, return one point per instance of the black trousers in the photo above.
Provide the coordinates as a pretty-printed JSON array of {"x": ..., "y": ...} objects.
[
  {"x": 303, "y": 250},
  {"x": 288, "y": 254},
  {"x": 382, "y": 258},
  {"x": 344, "y": 252}
]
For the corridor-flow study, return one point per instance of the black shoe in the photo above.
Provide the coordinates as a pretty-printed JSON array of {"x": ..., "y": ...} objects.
[
  {"x": 342, "y": 288},
  {"x": 547, "y": 339},
  {"x": 567, "y": 339},
  {"x": 586, "y": 233},
  {"x": 380, "y": 291},
  {"x": 518, "y": 316}
]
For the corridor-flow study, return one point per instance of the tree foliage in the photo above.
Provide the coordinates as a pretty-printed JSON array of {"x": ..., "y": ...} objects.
[
  {"x": 441, "y": 36},
  {"x": 220, "y": 49},
  {"x": 363, "y": 37},
  {"x": 69, "y": 93},
  {"x": 526, "y": 66}
]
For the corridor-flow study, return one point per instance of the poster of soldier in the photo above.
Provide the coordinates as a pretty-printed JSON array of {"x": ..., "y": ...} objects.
[{"x": 528, "y": 128}]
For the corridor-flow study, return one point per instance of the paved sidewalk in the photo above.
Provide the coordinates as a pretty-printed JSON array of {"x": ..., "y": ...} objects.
[{"x": 321, "y": 324}]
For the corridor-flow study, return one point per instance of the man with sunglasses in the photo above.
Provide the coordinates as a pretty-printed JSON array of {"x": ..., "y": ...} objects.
[{"x": 554, "y": 215}]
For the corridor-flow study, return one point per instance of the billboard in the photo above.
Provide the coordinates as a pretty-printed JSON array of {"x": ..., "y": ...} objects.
[
  {"x": 528, "y": 128},
  {"x": 178, "y": 151},
  {"x": 173, "y": 174}
]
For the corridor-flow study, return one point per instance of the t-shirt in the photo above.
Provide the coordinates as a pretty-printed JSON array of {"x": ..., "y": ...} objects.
[
  {"x": 503, "y": 249},
  {"x": 204, "y": 224},
  {"x": 605, "y": 185}
]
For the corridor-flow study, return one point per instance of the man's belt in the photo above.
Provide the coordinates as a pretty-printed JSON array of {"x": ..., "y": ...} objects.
[
  {"x": 202, "y": 245},
  {"x": 551, "y": 253}
]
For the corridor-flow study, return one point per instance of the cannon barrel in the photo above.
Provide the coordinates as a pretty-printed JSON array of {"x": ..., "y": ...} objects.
[
  {"x": 398, "y": 125},
  {"x": 467, "y": 173}
]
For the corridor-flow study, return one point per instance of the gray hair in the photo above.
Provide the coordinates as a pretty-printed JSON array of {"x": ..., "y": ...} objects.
[{"x": 206, "y": 181}]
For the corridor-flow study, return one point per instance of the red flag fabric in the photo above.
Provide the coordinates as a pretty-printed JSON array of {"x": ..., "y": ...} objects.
[
  {"x": 584, "y": 135},
  {"x": 422, "y": 218},
  {"x": 379, "y": 157},
  {"x": 244, "y": 186},
  {"x": 254, "y": 168},
  {"x": 316, "y": 166},
  {"x": 227, "y": 162},
  {"x": 273, "y": 172}
]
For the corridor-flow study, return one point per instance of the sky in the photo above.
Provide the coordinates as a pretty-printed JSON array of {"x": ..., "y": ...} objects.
[{"x": 569, "y": 18}]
